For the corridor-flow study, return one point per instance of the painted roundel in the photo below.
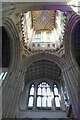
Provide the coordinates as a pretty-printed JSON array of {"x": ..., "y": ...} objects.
[{"x": 43, "y": 19}]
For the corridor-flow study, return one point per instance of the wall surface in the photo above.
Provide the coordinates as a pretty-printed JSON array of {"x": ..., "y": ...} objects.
[
  {"x": 13, "y": 82},
  {"x": 42, "y": 114}
]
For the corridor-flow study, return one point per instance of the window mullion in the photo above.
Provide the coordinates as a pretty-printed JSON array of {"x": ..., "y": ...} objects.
[
  {"x": 41, "y": 96},
  {"x": 35, "y": 97},
  {"x": 46, "y": 97},
  {"x": 56, "y": 97},
  {"x": 51, "y": 95}
]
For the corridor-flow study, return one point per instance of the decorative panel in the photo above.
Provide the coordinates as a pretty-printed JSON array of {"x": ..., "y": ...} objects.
[{"x": 43, "y": 19}]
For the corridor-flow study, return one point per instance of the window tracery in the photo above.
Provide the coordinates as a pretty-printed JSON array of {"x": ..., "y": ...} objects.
[{"x": 46, "y": 96}]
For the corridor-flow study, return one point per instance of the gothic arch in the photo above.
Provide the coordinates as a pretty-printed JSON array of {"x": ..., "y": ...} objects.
[
  {"x": 75, "y": 42},
  {"x": 69, "y": 38},
  {"x": 10, "y": 28},
  {"x": 69, "y": 54},
  {"x": 46, "y": 56},
  {"x": 66, "y": 71}
]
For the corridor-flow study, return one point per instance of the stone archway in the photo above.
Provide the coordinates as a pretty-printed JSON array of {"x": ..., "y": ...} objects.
[
  {"x": 16, "y": 74},
  {"x": 73, "y": 70},
  {"x": 67, "y": 74},
  {"x": 14, "y": 55},
  {"x": 69, "y": 38}
]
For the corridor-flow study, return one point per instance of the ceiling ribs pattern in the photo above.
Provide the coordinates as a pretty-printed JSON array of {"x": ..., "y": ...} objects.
[
  {"x": 41, "y": 69},
  {"x": 43, "y": 19}
]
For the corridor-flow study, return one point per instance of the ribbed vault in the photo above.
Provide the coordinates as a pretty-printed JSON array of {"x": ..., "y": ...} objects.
[
  {"x": 43, "y": 19},
  {"x": 41, "y": 69}
]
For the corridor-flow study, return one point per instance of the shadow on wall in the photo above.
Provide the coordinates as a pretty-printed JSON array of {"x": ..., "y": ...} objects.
[
  {"x": 77, "y": 42},
  {"x": 5, "y": 49},
  {"x": 35, "y": 119}
]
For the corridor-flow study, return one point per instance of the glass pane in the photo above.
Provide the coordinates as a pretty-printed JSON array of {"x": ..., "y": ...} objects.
[
  {"x": 47, "y": 85},
  {"x": 48, "y": 37},
  {"x": 37, "y": 37},
  {"x": 30, "y": 104},
  {"x": 57, "y": 102},
  {"x": 39, "y": 102},
  {"x": 49, "y": 104},
  {"x": 40, "y": 85},
  {"x": 48, "y": 91},
  {"x": 45, "y": 95},
  {"x": 32, "y": 90},
  {"x": 44, "y": 83},
  {"x": 39, "y": 91},
  {"x": 43, "y": 91},
  {"x": 1, "y": 75},
  {"x": 55, "y": 90},
  {"x": 4, "y": 76},
  {"x": 43, "y": 101}
]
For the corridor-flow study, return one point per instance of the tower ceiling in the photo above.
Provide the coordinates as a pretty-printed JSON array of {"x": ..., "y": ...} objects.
[
  {"x": 43, "y": 29},
  {"x": 43, "y": 19}
]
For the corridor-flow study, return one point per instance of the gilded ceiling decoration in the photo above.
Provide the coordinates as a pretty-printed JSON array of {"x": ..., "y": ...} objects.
[{"x": 43, "y": 19}]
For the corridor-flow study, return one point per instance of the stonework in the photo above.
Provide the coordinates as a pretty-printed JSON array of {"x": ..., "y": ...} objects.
[{"x": 21, "y": 59}]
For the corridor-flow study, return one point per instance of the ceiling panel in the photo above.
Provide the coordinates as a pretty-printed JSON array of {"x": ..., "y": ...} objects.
[
  {"x": 43, "y": 19},
  {"x": 41, "y": 69}
]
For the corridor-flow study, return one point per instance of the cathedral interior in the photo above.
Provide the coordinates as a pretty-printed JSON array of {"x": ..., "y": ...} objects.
[{"x": 40, "y": 60}]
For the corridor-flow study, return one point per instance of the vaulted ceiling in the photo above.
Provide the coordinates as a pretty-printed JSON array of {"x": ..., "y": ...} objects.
[
  {"x": 43, "y": 19},
  {"x": 43, "y": 69}
]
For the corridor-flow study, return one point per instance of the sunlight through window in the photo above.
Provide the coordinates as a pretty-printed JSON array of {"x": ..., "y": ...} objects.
[
  {"x": 31, "y": 96},
  {"x": 45, "y": 96},
  {"x": 30, "y": 102}
]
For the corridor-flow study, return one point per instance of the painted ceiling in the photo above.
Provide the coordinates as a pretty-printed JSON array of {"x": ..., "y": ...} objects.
[{"x": 43, "y": 19}]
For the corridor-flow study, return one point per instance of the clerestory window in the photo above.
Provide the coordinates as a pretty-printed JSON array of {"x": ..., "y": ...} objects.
[
  {"x": 49, "y": 37},
  {"x": 37, "y": 37}
]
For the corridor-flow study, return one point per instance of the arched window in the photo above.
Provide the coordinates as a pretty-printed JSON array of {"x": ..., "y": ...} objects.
[
  {"x": 45, "y": 97},
  {"x": 48, "y": 35},
  {"x": 31, "y": 96},
  {"x": 57, "y": 97},
  {"x": 37, "y": 37}
]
